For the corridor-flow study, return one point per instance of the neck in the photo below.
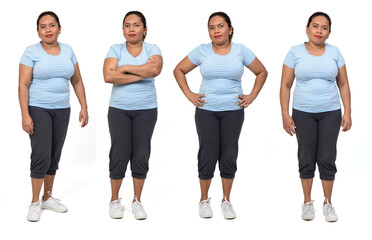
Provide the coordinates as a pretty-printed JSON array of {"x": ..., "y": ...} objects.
[
  {"x": 221, "y": 46},
  {"x": 49, "y": 45},
  {"x": 315, "y": 46},
  {"x": 134, "y": 45}
]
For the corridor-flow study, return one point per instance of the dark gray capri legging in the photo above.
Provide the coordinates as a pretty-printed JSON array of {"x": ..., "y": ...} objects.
[
  {"x": 131, "y": 132},
  {"x": 218, "y": 141},
  {"x": 317, "y": 135},
  {"x": 50, "y": 128}
]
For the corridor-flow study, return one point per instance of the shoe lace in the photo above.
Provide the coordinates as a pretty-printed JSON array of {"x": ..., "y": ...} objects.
[
  {"x": 205, "y": 204},
  {"x": 227, "y": 206},
  {"x": 329, "y": 208},
  {"x": 116, "y": 204},
  {"x": 137, "y": 205},
  {"x": 53, "y": 198},
  {"x": 308, "y": 206},
  {"x": 35, "y": 206}
]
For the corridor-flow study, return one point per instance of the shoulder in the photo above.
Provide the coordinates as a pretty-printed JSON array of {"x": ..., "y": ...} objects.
[
  {"x": 151, "y": 48},
  {"x": 297, "y": 48},
  {"x": 65, "y": 47},
  {"x": 118, "y": 47},
  {"x": 332, "y": 48},
  {"x": 33, "y": 48}
]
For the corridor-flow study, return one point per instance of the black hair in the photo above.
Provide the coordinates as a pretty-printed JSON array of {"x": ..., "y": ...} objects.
[
  {"x": 227, "y": 19},
  {"x": 45, "y": 14},
  {"x": 141, "y": 16},
  {"x": 319, "y": 14}
]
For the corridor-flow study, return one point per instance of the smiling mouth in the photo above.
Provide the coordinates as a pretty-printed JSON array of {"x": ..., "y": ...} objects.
[
  {"x": 49, "y": 35},
  {"x": 217, "y": 36}
]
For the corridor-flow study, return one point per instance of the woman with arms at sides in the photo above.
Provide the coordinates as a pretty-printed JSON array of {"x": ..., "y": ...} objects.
[
  {"x": 320, "y": 73},
  {"x": 131, "y": 67},
  {"x": 45, "y": 71},
  {"x": 219, "y": 105}
]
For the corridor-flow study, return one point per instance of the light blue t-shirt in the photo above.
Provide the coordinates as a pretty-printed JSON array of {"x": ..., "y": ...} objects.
[
  {"x": 138, "y": 95},
  {"x": 221, "y": 75},
  {"x": 316, "y": 90},
  {"x": 50, "y": 76}
]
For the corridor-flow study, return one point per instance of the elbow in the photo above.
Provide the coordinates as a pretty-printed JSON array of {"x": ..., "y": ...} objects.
[
  {"x": 107, "y": 78},
  {"x": 156, "y": 72}
]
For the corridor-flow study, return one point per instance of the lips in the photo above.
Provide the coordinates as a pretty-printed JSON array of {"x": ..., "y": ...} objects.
[
  {"x": 132, "y": 35},
  {"x": 318, "y": 37},
  {"x": 218, "y": 36},
  {"x": 49, "y": 35}
]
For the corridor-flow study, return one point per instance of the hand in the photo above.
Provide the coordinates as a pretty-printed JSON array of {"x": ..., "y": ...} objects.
[
  {"x": 246, "y": 100},
  {"x": 83, "y": 117},
  {"x": 28, "y": 124},
  {"x": 346, "y": 122},
  {"x": 150, "y": 60},
  {"x": 289, "y": 125},
  {"x": 196, "y": 99}
]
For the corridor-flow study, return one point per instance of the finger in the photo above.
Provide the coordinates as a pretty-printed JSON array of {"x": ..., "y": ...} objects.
[{"x": 240, "y": 97}]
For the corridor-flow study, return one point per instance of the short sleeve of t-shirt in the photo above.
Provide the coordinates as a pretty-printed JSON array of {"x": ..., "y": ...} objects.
[
  {"x": 155, "y": 50},
  {"x": 195, "y": 55},
  {"x": 114, "y": 51},
  {"x": 290, "y": 59},
  {"x": 73, "y": 56},
  {"x": 248, "y": 56},
  {"x": 340, "y": 59},
  {"x": 27, "y": 58}
]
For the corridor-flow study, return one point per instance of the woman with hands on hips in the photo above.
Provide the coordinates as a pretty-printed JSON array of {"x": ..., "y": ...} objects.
[
  {"x": 219, "y": 105},
  {"x": 321, "y": 78},
  {"x": 131, "y": 67},
  {"x": 45, "y": 71}
]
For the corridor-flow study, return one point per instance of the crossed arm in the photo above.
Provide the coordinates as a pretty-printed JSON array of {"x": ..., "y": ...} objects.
[{"x": 131, "y": 73}]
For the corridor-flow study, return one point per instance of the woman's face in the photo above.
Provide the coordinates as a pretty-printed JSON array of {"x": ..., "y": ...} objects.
[
  {"x": 133, "y": 29},
  {"x": 318, "y": 30},
  {"x": 219, "y": 31},
  {"x": 48, "y": 29}
]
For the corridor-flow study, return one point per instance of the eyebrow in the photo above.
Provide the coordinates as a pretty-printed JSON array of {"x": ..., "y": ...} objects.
[{"x": 216, "y": 24}]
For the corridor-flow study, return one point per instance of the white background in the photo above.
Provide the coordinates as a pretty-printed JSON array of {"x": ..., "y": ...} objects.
[{"x": 267, "y": 194}]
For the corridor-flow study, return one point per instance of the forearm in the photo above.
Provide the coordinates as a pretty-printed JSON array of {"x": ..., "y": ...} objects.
[
  {"x": 147, "y": 70},
  {"x": 346, "y": 98},
  {"x": 258, "y": 84},
  {"x": 80, "y": 94},
  {"x": 23, "y": 99},
  {"x": 116, "y": 77},
  {"x": 181, "y": 81},
  {"x": 284, "y": 100}
]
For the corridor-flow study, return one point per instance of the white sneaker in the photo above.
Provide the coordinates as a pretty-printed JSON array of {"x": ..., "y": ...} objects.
[
  {"x": 116, "y": 210},
  {"x": 329, "y": 212},
  {"x": 205, "y": 210},
  {"x": 34, "y": 212},
  {"x": 308, "y": 212},
  {"x": 227, "y": 210},
  {"x": 53, "y": 204},
  {"x": 138, "y": 210}
]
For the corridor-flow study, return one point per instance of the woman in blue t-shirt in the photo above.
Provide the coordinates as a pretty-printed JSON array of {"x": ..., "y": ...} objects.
[
  {"x": 131, "y": 67},
  {"x": 320, "y": 73},
  {"x": 219, "y": 105},
  {"x": 45, "y": 71}
]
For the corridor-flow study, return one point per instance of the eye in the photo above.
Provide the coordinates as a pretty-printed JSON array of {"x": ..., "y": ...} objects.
[
  {"x": 52, "y": 25},
  {"x": 42, "y": 27},
  {"x": 126, "y": 25},
  {"x": 211, "y": 27},
  {"x": 221, "y": 25},
  {"x": 325, "y": 28},
  {"x": 315, "y": 25}
]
